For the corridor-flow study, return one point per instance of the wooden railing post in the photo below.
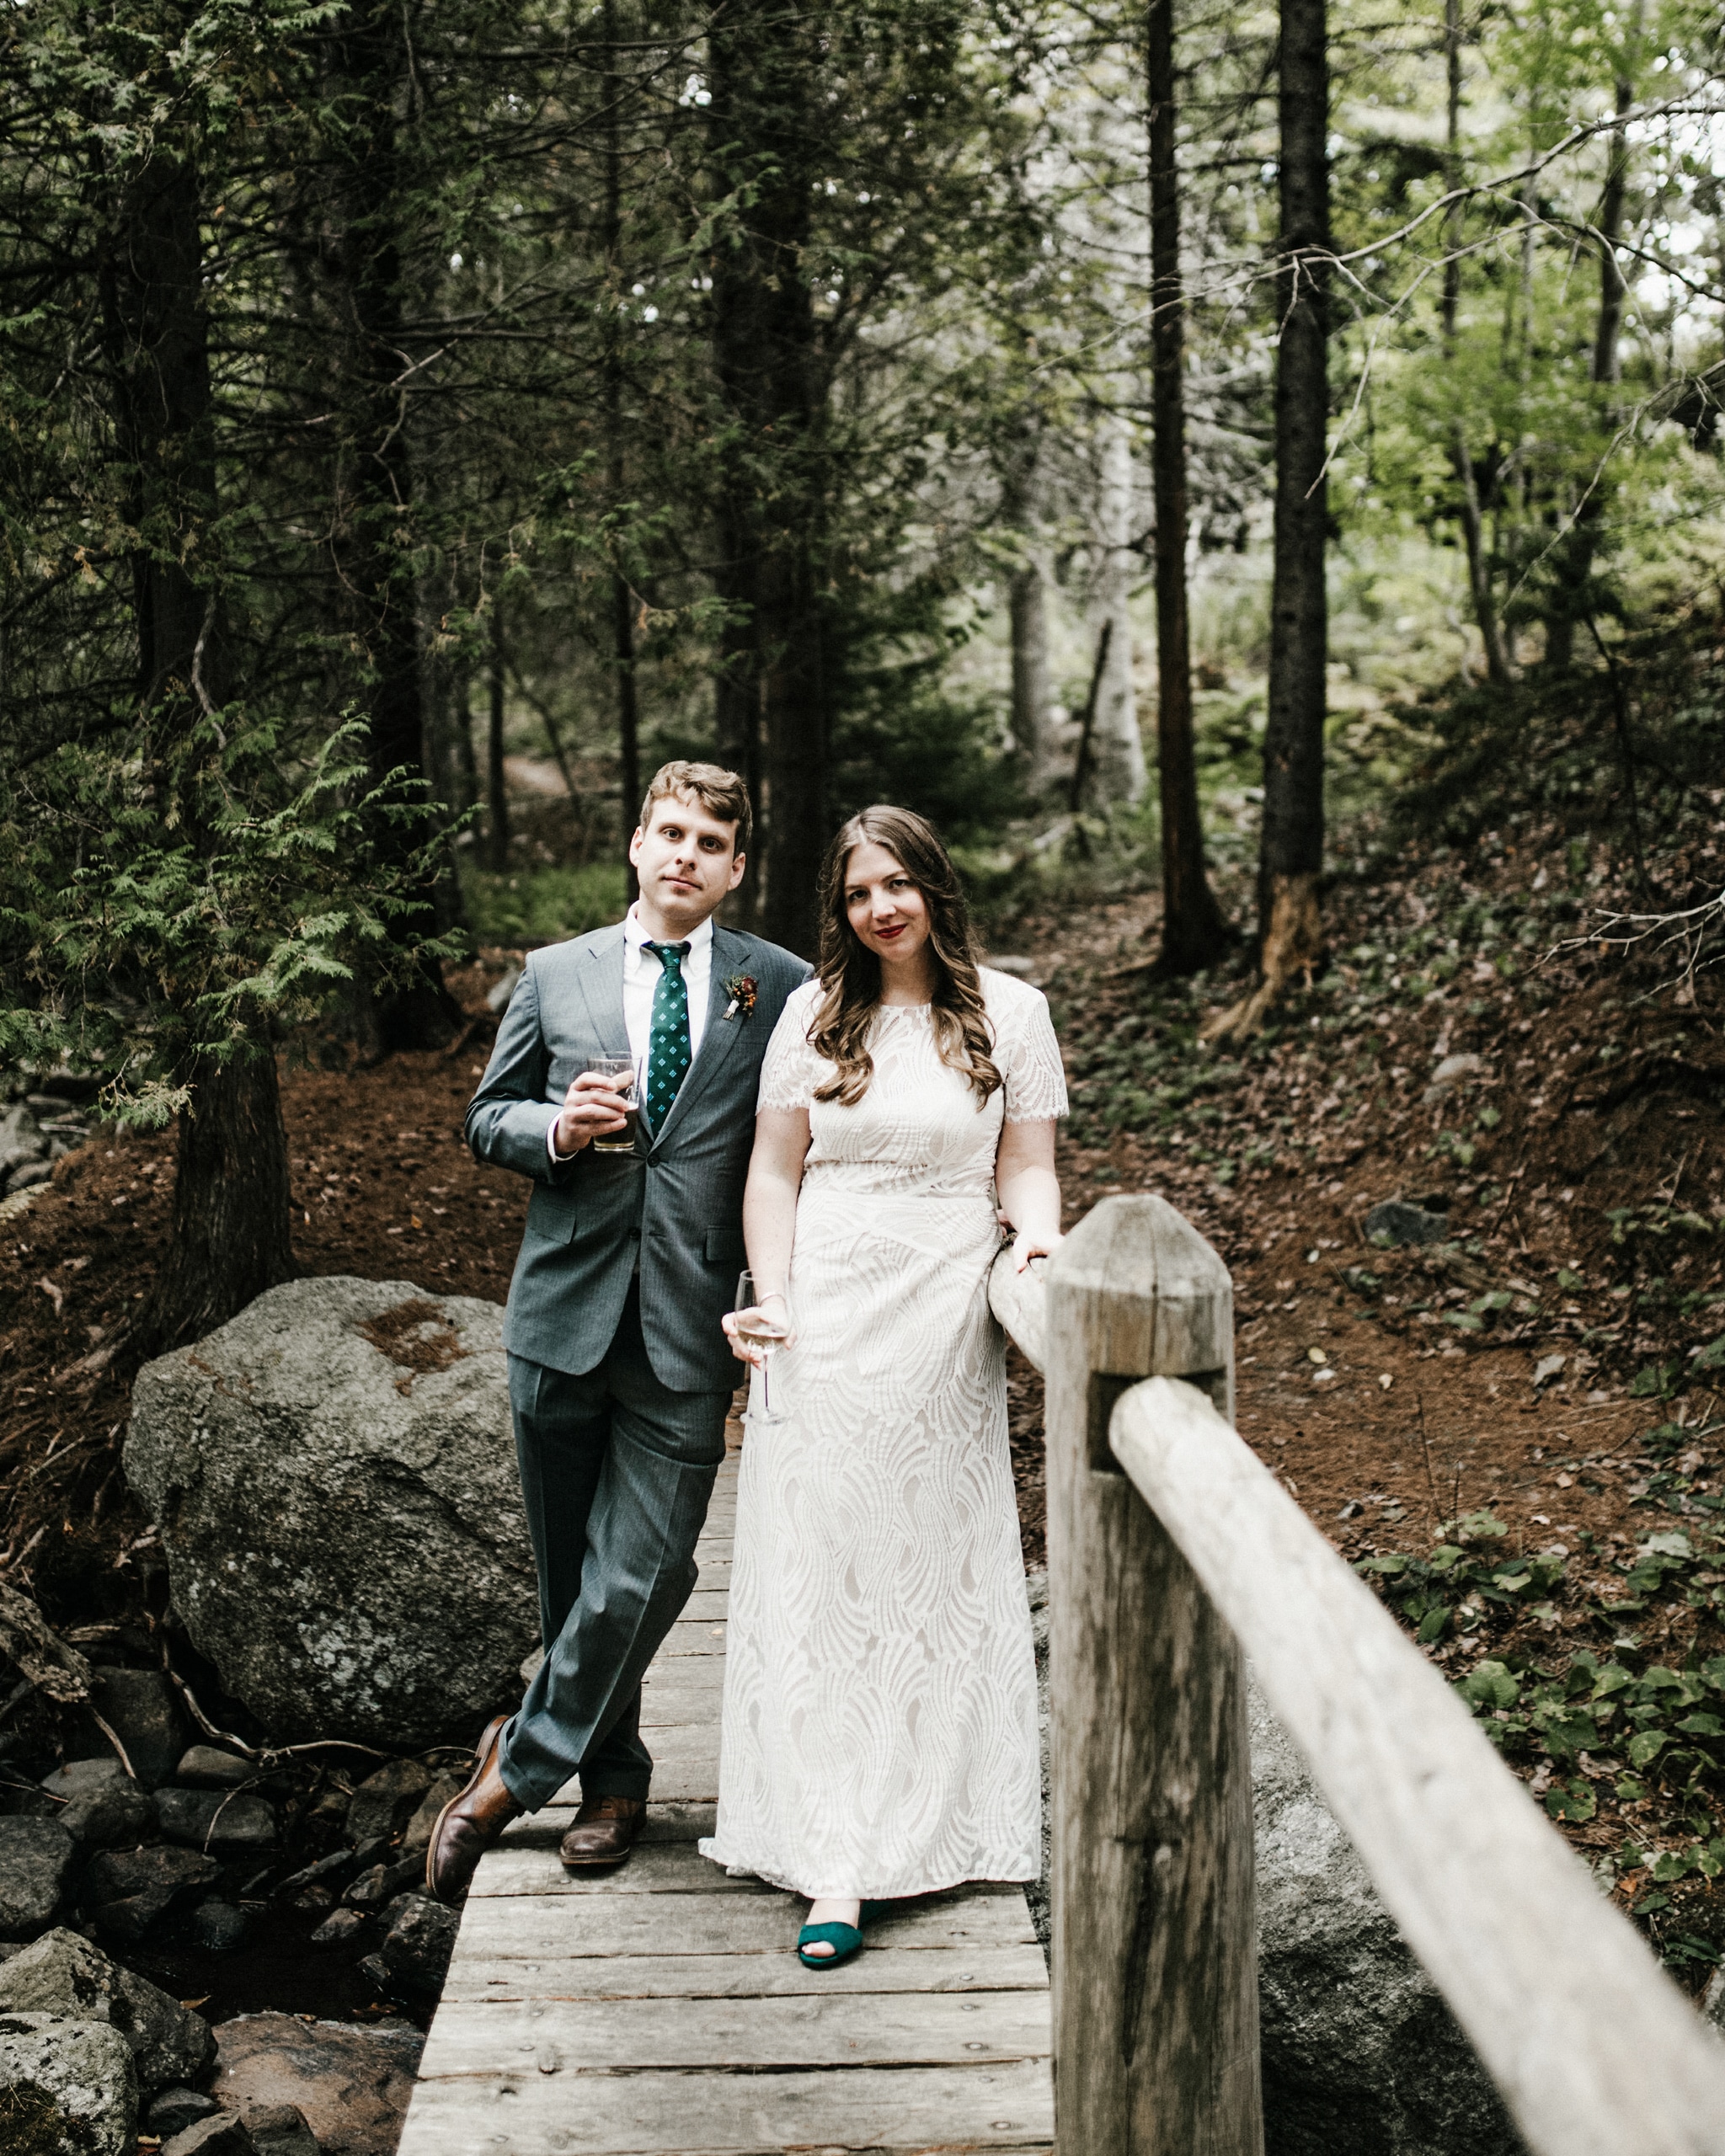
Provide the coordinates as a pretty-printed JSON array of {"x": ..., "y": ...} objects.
[{"x": 1154, "y": 1967}]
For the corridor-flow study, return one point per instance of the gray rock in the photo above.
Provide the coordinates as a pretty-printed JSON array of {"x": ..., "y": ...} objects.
[
  {"x": 218, "y": 1927},
  {"x": 308, "y": 1482},
  {"x": 383, "y": 1799},
  {"x": 328, "y": 1872},
  {"x": 279, "y": 2129},
  {"x": 143, "y": 1710},
  {"x": 340, "y": 1927},
  {"x": 221, "y": 2134},
  {"x": 417, "y": 1838},
  {"x": 352, "y": 2085},
  {"x": 36, "y": 1858},
  {"x": 418, "y": 1945},
  {"x": 1397, "y": 1222},
  {"x": 21, "y": 1142},
  {"x": 204, "y": 1767},
  {"x": 176, "y": 2109},
  {"x": 216, "y": 1820},
  {"x": 63, "y": 1973},
  {"x": 116, "y": 1812},
  {"x": 27, "y": 1177},
  {"x": 372, "y": 1889},
  {"x": 501, "y": 993},
  {"x": 129, "y": 1892},
  {"x": 79, "y": 1777},
  {"x": 1361, "y": 2055},
  {"x": 66, "y": 2088}
]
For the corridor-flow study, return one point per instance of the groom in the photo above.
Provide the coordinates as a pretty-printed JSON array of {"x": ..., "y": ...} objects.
[{"x": 619, "y": 1374}]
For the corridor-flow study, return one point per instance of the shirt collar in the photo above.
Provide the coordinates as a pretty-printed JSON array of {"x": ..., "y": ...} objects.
[{"x": 636, "y": 936}]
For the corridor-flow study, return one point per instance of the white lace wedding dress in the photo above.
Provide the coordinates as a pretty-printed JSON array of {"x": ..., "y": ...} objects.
[{"x": 879, "y": 1733}]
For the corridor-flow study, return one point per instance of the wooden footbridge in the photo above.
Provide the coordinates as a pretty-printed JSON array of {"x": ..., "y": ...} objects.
[{"x": 661, "y": 2012}]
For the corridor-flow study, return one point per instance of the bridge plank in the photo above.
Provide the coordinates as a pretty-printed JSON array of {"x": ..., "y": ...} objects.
[
  {"x": 869, "y": 2028},
  {"x": 474, "y": 1975},
  {"x": 877, "y": 2109}
]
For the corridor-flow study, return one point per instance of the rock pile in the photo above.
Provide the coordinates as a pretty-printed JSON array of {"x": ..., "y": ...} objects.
[
  {"x": 333, "y": 1474},
  {"x": 89, "y": 2049},
  {"x": 36, "y": 1130}
]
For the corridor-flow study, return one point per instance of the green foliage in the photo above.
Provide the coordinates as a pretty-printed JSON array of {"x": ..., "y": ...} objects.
[
  {"x": 544, "y": 905},
  {"x": 232, "y": 892}
]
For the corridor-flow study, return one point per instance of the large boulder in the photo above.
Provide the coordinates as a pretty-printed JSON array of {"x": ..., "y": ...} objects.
[
  {"x": 1361, "y": 2055},
  {"x": 62, "y": 1973},
  {"x": 333, "y": 1477},
  {"x": 66, "y": 2088}
]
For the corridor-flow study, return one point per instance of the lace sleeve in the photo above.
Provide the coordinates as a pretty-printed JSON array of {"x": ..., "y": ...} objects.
[
  {"x": 1028, "y": 1057},
  {"x": 790, "y": 1070}
]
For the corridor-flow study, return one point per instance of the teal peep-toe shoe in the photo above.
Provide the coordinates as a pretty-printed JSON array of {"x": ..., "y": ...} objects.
[{"x": 844, "y": 1939}]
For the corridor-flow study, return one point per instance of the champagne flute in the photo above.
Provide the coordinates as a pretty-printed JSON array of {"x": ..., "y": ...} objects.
[
  {"x": 619, "y": 1070},
  {"x": 760, "y": 1328}
]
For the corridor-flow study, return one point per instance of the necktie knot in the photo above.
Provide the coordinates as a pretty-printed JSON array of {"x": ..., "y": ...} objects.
[{"x": 670, "y": 955}]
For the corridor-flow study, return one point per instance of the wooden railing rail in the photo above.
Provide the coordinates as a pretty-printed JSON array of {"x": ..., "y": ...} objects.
[{"x": 1172, "y": 1548}]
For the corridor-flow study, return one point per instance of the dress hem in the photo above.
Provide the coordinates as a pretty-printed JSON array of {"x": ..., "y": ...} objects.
[{"x": 898, "y": 1892}]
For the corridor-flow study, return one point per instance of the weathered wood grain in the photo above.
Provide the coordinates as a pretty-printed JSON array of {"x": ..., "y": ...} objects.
[
  {"x": 538, "y": 1928},
  {"x": 1155, "y": 1980},
  {"x": 812, "y": 2029},
  {"x": 1595, "y": 2051},
  {"x": 655, "y": 1868},
  {"x": 877, "y": 2109},
  {"x": 1019, "y": 1301},
  {"x": 973, "y": 1970}
]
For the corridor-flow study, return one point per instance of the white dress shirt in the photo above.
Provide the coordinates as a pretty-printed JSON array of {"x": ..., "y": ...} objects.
[{"x": 641, "y": 973}]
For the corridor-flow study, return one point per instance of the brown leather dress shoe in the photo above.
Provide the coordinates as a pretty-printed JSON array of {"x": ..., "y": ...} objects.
[
  {"x": 470, "y": 1824},
  {"x": 604, "y": 1833}
]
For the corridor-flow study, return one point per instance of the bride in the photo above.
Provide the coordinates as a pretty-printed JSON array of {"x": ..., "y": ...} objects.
[{"x": 879, "y": 1733}]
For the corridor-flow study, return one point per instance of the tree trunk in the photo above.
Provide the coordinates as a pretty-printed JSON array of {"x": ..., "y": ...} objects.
[
  {"x": 1573, "y": 559},
  {"x": 1119, "y": 746},
  {"x": 375, "y": 482},
  {"x": 1194, "y": 934},
  {"x": 1479, "y": 577},
  {"x": 1026, "y": 606},
  {"x": 496, "y": 788},
  {"x": 622, "y": 618},
  {"x": 228, "y": 1238},
  {"x": 1290, "y": 927},
  {"x": 774, "y": 685}
]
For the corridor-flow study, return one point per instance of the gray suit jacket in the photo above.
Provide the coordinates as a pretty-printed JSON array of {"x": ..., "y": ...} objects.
[{"x": 674, "y": 1206}]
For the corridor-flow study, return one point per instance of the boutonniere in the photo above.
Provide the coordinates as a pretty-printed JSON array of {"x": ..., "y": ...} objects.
[{"x": 740, "y": 988}]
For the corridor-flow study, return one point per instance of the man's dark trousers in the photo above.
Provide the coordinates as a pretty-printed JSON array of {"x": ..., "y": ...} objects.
[{"x": 616, "y": 1470}]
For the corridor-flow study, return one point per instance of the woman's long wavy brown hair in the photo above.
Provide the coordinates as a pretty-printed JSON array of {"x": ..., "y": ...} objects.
[{"x": 850, "y": 972}]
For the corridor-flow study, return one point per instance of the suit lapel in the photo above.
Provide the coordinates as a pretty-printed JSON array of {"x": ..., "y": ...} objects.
[
  {"x": 599, "y": 979},
  {"x": 719, "y": 1037}
]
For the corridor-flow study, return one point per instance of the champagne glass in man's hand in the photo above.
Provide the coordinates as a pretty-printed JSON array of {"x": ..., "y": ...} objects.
[{"x": 763, "y": 1325}]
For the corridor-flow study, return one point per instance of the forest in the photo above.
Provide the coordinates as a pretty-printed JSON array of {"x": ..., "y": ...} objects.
[{"x": 1253, "y": 475}]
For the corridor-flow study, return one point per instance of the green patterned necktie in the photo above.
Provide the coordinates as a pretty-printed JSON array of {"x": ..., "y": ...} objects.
[{"x": 669, "y": 1054}]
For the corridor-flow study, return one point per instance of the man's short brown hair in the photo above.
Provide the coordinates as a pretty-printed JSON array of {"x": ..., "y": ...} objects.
[{"x": 720, "y": 792}]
